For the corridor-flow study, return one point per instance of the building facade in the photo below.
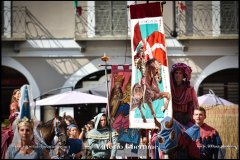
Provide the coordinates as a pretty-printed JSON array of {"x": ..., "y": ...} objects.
[{"x": 54, "y": 44}]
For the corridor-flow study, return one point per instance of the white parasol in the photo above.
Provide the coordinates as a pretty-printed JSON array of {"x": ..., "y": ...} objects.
[
  {"x": 211, "y": 99},
  {"x": 71, "y": 97}
]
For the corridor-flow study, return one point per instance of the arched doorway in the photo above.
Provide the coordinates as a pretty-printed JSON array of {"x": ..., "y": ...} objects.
[
  {"x": 93, "y": 77},
  {"x": 224, "y": 83},
  {"x": 11, "y": 79},
  {"x": 85, "y": 112}
]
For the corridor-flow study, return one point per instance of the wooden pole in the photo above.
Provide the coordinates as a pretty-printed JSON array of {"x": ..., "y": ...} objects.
[{"x": 105, "y": 58}]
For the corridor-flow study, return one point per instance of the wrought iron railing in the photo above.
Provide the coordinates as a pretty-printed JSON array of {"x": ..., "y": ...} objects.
[
  {"x": 14, "y": 22},
  {"x": 196, "y": 20},
  {"x": 86, "y": 28},
  {"x": 20, "y": 24},
  {"x": 207, "y": 20}
]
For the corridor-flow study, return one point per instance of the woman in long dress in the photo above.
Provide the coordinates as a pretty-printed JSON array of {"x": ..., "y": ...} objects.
[{"x": 23, "y": 145}]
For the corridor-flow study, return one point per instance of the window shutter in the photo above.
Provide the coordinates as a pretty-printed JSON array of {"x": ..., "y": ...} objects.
[
  {"x": 119, "y": 9},
  {"x": 229, "y": 17},
  {"x": 111, "y": 17},
  {"x": 103, "y": 18}
]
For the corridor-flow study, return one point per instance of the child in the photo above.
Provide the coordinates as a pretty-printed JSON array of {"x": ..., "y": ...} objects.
[{"x": 76, "y": 150}]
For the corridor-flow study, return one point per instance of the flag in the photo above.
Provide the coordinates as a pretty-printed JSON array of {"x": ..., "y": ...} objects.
[
  {"x": 119, "y": 103},
  {"x": 156, "y": 45},
  {"x": 78, "y": 8},
  {"x": 75, "y": 4},
  {"x": 148, "y": 45},
  {"x": 137, "y": 38}
]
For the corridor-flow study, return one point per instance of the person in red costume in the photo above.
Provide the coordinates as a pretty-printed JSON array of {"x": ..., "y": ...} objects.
[
  {"x": 7, "y": 132},
  {"x": 184, "y": 97},
  {"x": 14, "y": 106}
]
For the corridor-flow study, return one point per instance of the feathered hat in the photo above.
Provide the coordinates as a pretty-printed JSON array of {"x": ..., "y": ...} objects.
[{"x": 25, "y": 109}]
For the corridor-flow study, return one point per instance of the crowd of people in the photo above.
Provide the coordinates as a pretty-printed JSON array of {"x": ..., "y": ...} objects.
[{"x": 97, "y": 140}]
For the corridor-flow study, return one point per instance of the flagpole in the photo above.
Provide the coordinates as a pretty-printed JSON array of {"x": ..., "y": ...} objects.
[{"x": 105, "y": 58}]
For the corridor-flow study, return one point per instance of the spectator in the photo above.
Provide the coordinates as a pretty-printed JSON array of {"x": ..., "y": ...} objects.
[
  {"x": 69, "y": 120},
  {"x": 89, "y": 126},
  {"x": 76, "y": 150}
]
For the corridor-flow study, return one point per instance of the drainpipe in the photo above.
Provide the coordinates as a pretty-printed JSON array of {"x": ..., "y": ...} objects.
[{"x": 174, "y": 32}]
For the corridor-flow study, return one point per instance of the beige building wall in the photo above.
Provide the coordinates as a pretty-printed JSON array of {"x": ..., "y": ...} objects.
[{"x": 57, "y": 16}]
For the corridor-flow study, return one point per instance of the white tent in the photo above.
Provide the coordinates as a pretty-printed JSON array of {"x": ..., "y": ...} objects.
[
  {"x": 71, "y": 97},
  {"x": 211, "y": 99}
]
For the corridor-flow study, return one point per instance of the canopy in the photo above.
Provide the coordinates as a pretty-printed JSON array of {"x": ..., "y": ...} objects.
[
  {"x": 71, "y": 97},
  {"x": 99, "y": 90},
  {"x": 211, "y": 99}
]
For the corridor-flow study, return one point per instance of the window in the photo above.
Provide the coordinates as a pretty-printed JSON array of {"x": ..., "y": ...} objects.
[
  {"x": 229, "y": 17},
  {"x": 111, "y": 17}
]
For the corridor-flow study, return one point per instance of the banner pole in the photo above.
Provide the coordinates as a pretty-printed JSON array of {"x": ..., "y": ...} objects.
[{"x": 105, "y": 58}]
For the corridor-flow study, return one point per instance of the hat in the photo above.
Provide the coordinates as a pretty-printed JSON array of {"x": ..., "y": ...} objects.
[
  {"x": 71, "y": 126},
  {"x": 25, "y": 110},
  {"x": 185, "y": 68}
]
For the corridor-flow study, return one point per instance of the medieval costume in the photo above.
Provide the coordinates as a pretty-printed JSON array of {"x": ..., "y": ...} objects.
[
  {"x": 184, "y": 97},
  {"x": 172, "y": 140},
  {"x": 7, "y": 136},
  {"x": 14, "y": 106},
  {"x": 7, "y": 132},
  {"x": 99, "y": 137},
  {"x": 207, "y": 140},
  {"x": 23, "y": 145}
]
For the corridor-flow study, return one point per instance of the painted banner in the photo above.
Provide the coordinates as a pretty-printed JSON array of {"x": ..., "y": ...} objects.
[
  {"x": 150, "y": 96},
  {"x": 119, "y": 104}
]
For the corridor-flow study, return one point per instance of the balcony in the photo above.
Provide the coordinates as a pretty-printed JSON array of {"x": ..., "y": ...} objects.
[
  {"x": 194, "y": 22},
  {"x": 14, "y": 24},
  {"x": 19, "y": 24},
  {"x": 110, "y": 26},
  {"x": 208, "y": 21}
]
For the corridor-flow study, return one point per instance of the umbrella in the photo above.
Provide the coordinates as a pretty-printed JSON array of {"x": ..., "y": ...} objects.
[
  {"x": 71, "y": 97},
  {"x": 99, "y": 90},
  {"x": 211, "y": 99}
]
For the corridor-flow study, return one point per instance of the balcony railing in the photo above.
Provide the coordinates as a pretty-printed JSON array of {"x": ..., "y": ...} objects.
[
  {"x": 207, "y": 21},
  {"x": 20, "y": 24},
  {"x": 196, "y": 21},
  {"x": 14, "y": 23},
  {"x": 85, "y": 26}
]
